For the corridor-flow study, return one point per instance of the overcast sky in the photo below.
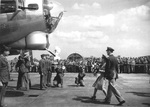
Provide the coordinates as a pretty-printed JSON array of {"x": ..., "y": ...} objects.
[{"x": 89, "y": 26}]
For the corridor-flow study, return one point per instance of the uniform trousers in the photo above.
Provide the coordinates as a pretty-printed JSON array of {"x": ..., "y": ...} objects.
[
  {"x": 25, "y": 80},
  {"x": 43, "y": 81},
  {"x": 19, "y": 82},
  {"x": 2, "y": 93},
  {"x": 49, "y": 76},
  {"x": 112, "y": 89}
]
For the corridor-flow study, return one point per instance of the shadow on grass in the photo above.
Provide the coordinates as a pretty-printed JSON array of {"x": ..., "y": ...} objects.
[
  {"x": 73, "y": 86},
  {"x": 148, "y": 104},
  {"x": 140, "y": 94},
  {"x": 87, "y": 99},
  {"x": 14, "y": 93},
  {"x": 35, "y": 87},
  {"x": 33, "y": 95}
]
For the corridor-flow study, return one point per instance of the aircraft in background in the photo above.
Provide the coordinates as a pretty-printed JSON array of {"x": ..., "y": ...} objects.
[{"x": 25, "y": 24}]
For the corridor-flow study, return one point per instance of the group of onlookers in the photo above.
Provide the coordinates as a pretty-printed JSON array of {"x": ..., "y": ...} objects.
[
  {"x": 134, "y": 65},
  {"x": 125, "y": 64}
]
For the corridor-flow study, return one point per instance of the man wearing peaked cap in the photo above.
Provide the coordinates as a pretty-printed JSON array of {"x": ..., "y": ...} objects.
[
  {"x": 111, "y": 73},
  {"x": 42, "y": 72},
  {"x": 110, "y": 49}
]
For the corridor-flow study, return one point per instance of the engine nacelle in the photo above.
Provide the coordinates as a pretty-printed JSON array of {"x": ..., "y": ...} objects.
[{"x": 35, "y": 41}]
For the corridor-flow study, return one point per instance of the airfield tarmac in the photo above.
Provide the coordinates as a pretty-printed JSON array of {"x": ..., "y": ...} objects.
[{"x": 135, "y": 88}]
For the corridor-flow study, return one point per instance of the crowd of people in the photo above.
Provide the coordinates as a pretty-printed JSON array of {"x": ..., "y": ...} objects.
[
  {"x": 134, "y": 65},
  {"x": 108, "y": 67},
  {"x": 125, "y": 64}
]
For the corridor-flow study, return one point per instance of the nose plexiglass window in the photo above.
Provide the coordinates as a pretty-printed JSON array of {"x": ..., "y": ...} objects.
[
  {"x": 53, "y": 12},
  {"x": 7, "y": 6}
]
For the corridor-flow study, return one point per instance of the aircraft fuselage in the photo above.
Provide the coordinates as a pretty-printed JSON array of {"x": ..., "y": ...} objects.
[
  {"x": 19, "y": 19},
  {"x": 18, "y": 24}
]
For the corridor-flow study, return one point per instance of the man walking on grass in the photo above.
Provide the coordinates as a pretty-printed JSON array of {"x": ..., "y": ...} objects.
[{"x": 111, "y": 73}]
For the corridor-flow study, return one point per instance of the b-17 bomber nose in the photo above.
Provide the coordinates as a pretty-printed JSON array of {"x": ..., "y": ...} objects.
[{"x": 53, "y": 12}]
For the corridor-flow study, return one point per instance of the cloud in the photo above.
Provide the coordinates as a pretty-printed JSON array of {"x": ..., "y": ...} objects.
[
  {"x": 98, "y": 21},
  {"x": 124, "y": 20},
  {"x": 131, "y": 19},
  {"x": 87, "y": 43},
  {"x": 77, "y": 6},
  {"x": 124, "y": 27},
  {"x": 128, "y": 43},
  {"x": 140, "y": 12},
  {"x": 89, "y": 21},
  {"x": 148, "y": 4},
  {"x": 76, "y": 36},
  {"x": 96, "y": 5},
  {"x": 88, "y": 32},
  {"x": 134, "y": 14}
]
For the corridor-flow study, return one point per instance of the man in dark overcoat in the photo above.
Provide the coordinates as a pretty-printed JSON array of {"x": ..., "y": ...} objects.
[{"x": 20, "y": 74}]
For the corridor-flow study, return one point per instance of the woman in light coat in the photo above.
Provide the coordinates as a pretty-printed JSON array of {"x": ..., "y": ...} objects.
[{"x": 100, "y": 83}]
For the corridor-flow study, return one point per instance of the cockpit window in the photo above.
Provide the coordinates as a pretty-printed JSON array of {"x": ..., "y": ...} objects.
[{"x": 7, "y": 6}]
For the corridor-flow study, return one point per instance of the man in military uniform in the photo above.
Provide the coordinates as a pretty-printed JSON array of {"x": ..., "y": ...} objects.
[
  {"x": 49, "y": 70},
  {"x": 42, "y": 72},
  {"x": 111, "y": 73},
  {"x": 4, "y": 73}
]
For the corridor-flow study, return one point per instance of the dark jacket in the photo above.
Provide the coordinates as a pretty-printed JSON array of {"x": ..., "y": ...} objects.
[
  {"x": 111, "y": 70},
  {"x": 4, "y": 70},
  {"x": 42, "y": 67}
]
